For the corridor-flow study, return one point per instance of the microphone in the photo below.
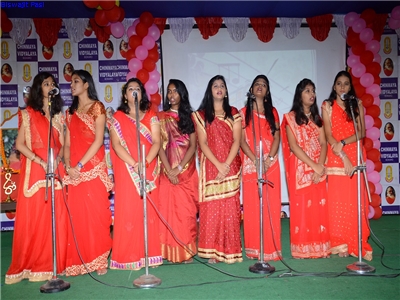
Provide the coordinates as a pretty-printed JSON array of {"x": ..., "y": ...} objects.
[
  {"x": 55, "y": 91},
  {"x": 251, "y": 96},
  {"x": 345, "y": 97},
  {"x": 134, "y": 95}
]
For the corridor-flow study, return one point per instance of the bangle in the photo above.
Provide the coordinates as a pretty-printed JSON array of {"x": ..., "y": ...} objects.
[
  {"x": 79, "y": 164},
  {"x": 271, "y": 158},
  {"x": 33, "y": 157},
  {"x": 342, "y": 155},
  {"x": 179, "y": 168},
  {"x": 67, "y": 169}
]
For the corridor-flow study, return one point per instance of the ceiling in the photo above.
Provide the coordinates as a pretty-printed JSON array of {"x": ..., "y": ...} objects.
[{"x": 181, "y": 9}]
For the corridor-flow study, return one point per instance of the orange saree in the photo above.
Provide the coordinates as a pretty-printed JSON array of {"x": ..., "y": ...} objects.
[
  {"x": 343, "y": 220},
  {"x": 32, "y": 250},
  {"x": 128, "y": 234},
  {"x": 309, "y": 226},
  {"x": 219, "y": 224},
  {"x": 88, "y": 198},
  {"x": 271, "y": 195},
  {"x": 179, "y": 203}
]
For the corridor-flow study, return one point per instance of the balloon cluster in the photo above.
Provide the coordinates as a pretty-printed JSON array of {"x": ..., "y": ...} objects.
[
  {"x": 108, "y": 17},
  {"x": 364, "y": 62},
  {"x": 6, "y": 24},
  {"x": 142, "y": 54},
  {"x": 394, "y": 21}
]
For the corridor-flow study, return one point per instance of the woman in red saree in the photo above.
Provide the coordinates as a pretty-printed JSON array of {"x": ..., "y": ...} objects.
[
  {"x": 304, "y": 151},
  {"x": 342, "y": 158},
  {"x": 218, "y": 127},
  {"x": 88, "y": 181},
  {"x": 266, "y": 127},
  {"x": 128, "y": 234},
  {"x": 178, "y": 180},
  {"x": 32, "y": 251}
]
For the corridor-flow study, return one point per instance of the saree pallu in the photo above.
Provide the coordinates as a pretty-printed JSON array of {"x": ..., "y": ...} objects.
[
  {"x": 32, "y": 250},
  {"x": 271, "y": 195},
  {"x": 179, "y": 203},
  {"x": 309, "y": 225},
  {"x": 219, "y": 223},
  {"x": 128, "y": 234},
  {"x": 88, "y": 198},
  {"x": 343, "y": 215}
]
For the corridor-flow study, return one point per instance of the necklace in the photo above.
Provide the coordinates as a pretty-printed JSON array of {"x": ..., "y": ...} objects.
[
  {"x": 173, "y": 110},
  {"x": 82, "y": 108},
  {"x": 308, "y": 115}
]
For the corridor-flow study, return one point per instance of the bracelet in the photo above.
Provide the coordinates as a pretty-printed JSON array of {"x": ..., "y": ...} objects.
[
  {"x": 67, "y": 169},
  {"x": 79, "y": 164},
  {"x": 342, "y": 154},
  {"x": 179, "y": 168},
  {"x": 33, "y": 157},
  {"x": 343, "y": 143},
  {"x": 226, "y": 165}
]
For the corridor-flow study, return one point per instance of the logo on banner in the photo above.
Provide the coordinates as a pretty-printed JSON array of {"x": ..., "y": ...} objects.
[
  {"x": 389, "y": 174},
  {"x": 67, "y": 50},
  {"x": 6, "y": 114},
  {"x": 5, "y": 53},
  {"x": 388, "y": 110},
  {"x": 27, "y": 76},
  {"x": 88, "y": 67},
  {"x": 108, "y": 93},
  {"x": 387, "y": 45}
]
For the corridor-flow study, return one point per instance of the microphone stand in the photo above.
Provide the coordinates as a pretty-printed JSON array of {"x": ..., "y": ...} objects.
[
  {"x": 359, "y": 267},
  {"x": 260, "y": 267},
  {"x": 147, "y": 280},
  {"x": 54, "y": 285}
]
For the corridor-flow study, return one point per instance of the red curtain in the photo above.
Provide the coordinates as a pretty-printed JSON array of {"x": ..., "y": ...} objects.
[
  {"x": 264, "y": 27},
  {"x": 208, "y": 26},
  {"x": 47, "y": 30},
  {"x": 320, "y": 26},
  {"x": 378, "y": 25},
  {"x": 160, "y": 22}
]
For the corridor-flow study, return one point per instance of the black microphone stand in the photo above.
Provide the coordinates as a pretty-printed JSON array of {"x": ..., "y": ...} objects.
[
  {"x": 359, "y": 267},
  {"x": 260, "y": 267},
  {"x": 147, "y": 280},
  {"x": 54, "y": 285}
]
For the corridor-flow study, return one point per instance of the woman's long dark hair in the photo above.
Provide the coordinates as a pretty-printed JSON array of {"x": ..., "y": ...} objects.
[
  {"x": 35, "y": 98},
  {"x": 267, "y": 103},
  {"x": 144, "y": 104},
  {"x": 352, "y": 92},
  {"x": 207, "y": 104},
  {"x": 92, "y": 93},
  {"x": 185, "y": 123},
  {"x": 297, "y": 106}
]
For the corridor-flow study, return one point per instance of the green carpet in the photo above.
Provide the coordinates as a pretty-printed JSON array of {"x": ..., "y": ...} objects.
[{"x": 322, "y": 278}]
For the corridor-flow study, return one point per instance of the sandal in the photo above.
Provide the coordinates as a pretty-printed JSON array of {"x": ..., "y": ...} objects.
[
  {"x": 343, "y": 254},
  {"x": 101, "y": 272},
  {"x": 189, "y": 261},
  {"x": 212, "y": 261}
]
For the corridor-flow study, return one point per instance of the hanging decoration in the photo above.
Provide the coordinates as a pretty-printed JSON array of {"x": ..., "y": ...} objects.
[
  {"x": 363, "y": 37},
  {"x": 6, "y": 24},
  {"x": 394, "y": 21},
  {"x": 264, "y": 28},
  {"x": 208, "y": 26},
  {"x": 142, "y": 55},
  {"x": 320, "y": 26},
  {"x": 47, "y": 30}
]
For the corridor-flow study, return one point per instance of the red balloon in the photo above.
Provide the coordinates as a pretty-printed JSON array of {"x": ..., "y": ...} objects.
[
  {"x": 91, "y": 3},
  {"x": 101, "y": 18},
  {"x": 113, "y": 14},
  {"x": 369, "y": 16},
  {"x": 374, "y": 111},
  {"x": 130, "y": 54},
  {"x": 366, "y": 57},
  {"x": 122, "y": 14},
  {"x": 141, "y": 29},
  {"x": 107, "y": 29},
  {"x": 3, "y": 14},
  {"x": 358, "y": 48},
  {"x": 149, "y": 64},
  {"x": 368, "y": 144},
  {"x": 374, "y": 155},
  {"x": 153, "y": 54},
  {"x": 146, "y": 18},
  {"x": 142, "y": 75},
  {"x": 155, "y": 98},
  {"x": 352, "y": 37},
  {"x": 378, "y": 166},
  {"x": 378, "y": 122},
  {"x": 375, "y": 200},
  {"x": 367, "y": 100},
  {"x": 106, "y": 5},
  {"x": 377, "y": 79},
  {"x": 360, "y": 90},
  {"x": 135, "y": 41},
  {"x": 373, "y": 68},
  {"x": 371, "y": 186},
  {"x": 378, "y": 213}
]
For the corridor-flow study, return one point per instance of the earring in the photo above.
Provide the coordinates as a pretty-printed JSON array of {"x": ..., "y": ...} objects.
[
  {"x": 226, "y": 96},
  {"x": 126, "y": 100},
  {"x": 169, "y": 102}
]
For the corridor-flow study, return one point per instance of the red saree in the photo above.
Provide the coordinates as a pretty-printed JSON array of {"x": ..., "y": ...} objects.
[
  {"x": 128, "y": 235},
  {"x": 179, "y": 203},
  {"x": 88, "y": 197},
  {"x": 32, "y": 251},
  {"x": 251, "y": 199},
  {"x": 343, "y": 220},
  {"x": 309, "y": 233},
  {"x": 219, "y": 224}
]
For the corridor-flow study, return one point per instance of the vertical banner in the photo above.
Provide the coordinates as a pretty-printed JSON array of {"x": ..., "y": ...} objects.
[{"x": 390, "y": 116}]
